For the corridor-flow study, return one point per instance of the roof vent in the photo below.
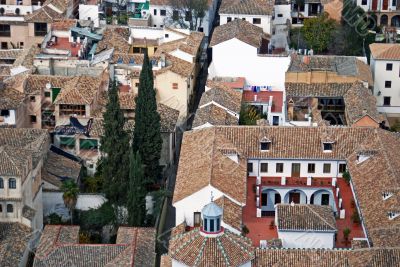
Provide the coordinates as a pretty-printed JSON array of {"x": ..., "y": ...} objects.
[{"x": 386, "y": 195}]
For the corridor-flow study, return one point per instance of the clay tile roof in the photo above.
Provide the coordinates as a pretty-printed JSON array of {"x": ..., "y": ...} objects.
[
  {"x": 191, "y": 44},
  {"x": 81, "y": 90},
  {"x": 200, "y": 165},
  {"x": 59, "y": 244},
  {"x": 10, "y": 98},
  {"x": 63, "y": 25},
  {"x": 20, "y": 149},
  {"x": 317, "y": 89},
  {"x": 14, "y": 239},
  {"x": 364, "y": 72},
  {"x": 326, "y": 257},
  {"x": 247, "y": 7},
  {"x": 10, "y": 53},
  {"x": 239, "y": 29},
  {"x": 57, "y": 168},
  {"x": 51, "y": 11},
  {"x": 305, "y": 218},
  {"x": 36, "y": 83},
  {"x": 359, "y": 102},
  {"x": 385, "y": 164},
  {"x": 385, "y": 51},
  {"x": 214, "y": 115},
  {"x": 114, "y": 37},
  {"x": 223, "y": 95},
  {"x": 178, "y": 66},
  {"x": 194, "y": 249},
  {"x": 232, "y": 212}
]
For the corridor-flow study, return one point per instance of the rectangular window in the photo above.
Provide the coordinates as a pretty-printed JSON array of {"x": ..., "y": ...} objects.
[
  {"x": 5, "y": 30},
  {"x": 188, "y": 16},
  {"x": 386, "y": 100},
  {"x": 364, "y": 2},
  {"x": 163, "y": 12},
  {"x": 175, "y": 86},
  {"x": 67, "y": 142},
  {"x": 67, "y": 110},
  {"x": 388, "y": 84},
  {"x": 342, "y": 167},
  {"x": 394, "y": 3},
  {"x": 3, "y": 2},
  {"x": 327, "y": 146},
  {"x": 33, "y": 118},
  {"x": 277, "y": 198},
  {"x": 5, "y": 113},
  {"x": 155, "y": 11},
  {"x": 197, "y": 219},
  {"x": 175, "y": 15},
  {"x": 32, "y": 98},
  {"x": 40, "y": 29},
  {"x": 249, "y": 167},
  {"x": 264, "y": 199},
  {"x": 311, "y": 168},
  {"x": 47, "y": 94},
  {"x": 205, "y": 225},
  {"x": 137, "y": 85},
  {"x": 264, "y": 167},
  {"x": 389, "y": 66},
  {"x": 265, "y": 146},
  {"x": 256, "y": 21},
  {"x": 327, "y": 168},
  {"x": 280, "y": 15},
  {"x": 166, "y": 35},
  {"x": 211, "y": 225},
  {"x": 228, "y": 19},
  {"x": 325, "y": 199},
  {"x": 279, "y": 167},
  {"x": 4, "y": 45},
  {"x": 21, "y": 45}
]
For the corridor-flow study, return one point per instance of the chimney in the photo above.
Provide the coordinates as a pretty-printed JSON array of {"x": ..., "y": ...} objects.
[
  {"x": 255, "y": 98},
  {"x": 162, "y": 59},
  {"x": 306, "y": 60}
]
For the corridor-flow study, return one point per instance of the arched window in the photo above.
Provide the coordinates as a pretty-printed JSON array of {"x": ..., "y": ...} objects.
[
  {"x": 1, "y": 183},
  {"x": 10, "y": 208},
  {"x": 12, "y": 183}
]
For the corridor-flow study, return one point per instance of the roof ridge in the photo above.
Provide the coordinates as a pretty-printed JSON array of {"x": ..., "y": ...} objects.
[{"x": 15, "y": 167}]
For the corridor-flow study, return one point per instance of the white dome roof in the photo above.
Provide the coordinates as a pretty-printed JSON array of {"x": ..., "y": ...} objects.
[{"x": 211, "y": 210}]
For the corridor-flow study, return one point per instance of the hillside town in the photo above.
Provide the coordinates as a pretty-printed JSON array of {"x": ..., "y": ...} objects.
[{"x": 200, "y": 133}]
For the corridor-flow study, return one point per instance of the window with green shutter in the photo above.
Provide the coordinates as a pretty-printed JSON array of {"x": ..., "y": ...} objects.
[
  {"x": 67, "y": 142},
  {"x": 88, "y": 144}
]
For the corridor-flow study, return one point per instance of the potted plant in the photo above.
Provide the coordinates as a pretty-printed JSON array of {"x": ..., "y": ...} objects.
[
  {"x": 272, "y": 225},
  {"x": 346, "y": 176},
  {"x": 355, "y": 217},
  {"x": 346, "y": 234},
  {"x": 245, "y": 230}
]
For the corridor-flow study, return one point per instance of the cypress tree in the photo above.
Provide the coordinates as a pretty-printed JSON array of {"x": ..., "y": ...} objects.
[
  {"x": 114, "y": 144},
  {"x": 147, "y": 136},
  {"x": 136, "y": 191}
]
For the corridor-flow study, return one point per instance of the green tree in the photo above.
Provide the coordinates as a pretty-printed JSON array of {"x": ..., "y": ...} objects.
[
  {"x": 318, "y": 32},
  {"x": 114, "y": 148},
  {"x": 136, "y": 203},
  {"x": 249, "y": 115},
  {"x": 70, "y": 195},
  {"x": 147, "y": 134}
]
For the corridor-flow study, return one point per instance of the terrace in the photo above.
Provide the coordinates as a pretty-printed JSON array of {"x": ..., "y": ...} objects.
[
  {"x": 260, "y": 223},
  {"x": 60, "y": 43}
]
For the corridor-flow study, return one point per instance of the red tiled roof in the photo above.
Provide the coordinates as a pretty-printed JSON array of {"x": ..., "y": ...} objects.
[
  {"x": 385, "y": 51},
  {"x": 263, "y": 97}
]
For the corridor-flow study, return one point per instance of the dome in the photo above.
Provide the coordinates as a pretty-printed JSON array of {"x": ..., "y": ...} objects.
[{"x": 212, "y": 210}]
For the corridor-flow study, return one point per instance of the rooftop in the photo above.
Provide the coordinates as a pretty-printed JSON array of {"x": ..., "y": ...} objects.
[
  {"x": 305, "y": 217},
  {"x": 247, "y": 7},
  {"x": 241, "y": 30},
  {"x": 263, "y": 97},
  {"x": 52, "y": 10},
  {"x": 212, "y": 114},
  {"x": 58, "y": 244},
  {"x": 14, "y": 239},
  {"x": 385, "y": 51}
]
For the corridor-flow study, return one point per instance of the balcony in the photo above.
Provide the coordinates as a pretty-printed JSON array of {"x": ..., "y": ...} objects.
[{"x": 261, "y": 226}]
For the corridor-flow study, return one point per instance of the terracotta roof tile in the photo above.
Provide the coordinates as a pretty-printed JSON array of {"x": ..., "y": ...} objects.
[
  {"x": 81, "y": 90},
  {"x": 232, "y": 212},
  {"x": 239, "y": 29},
  {"x": 14, "y": 239},
  {"x": 214, "y": 115},
  {"x": 247, "y": 7},
  {"x": 316, "y": 89},
  {"x": 10, "y": 98},
  {"x": 385, "y": 51},
  {"x": 220, "y": 93},
  {"x": 63, "y": 25},
  {"x": 114, "y": 37},
  {"x": 305, "y": 218},
  {"x": 194, "y": 249},
  {"x": 35, "y": 84},
  {"x": 10, "y": 53},
  {"x": 59, "y": 244}
]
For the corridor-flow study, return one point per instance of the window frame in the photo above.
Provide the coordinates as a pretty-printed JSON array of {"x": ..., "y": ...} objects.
[
  {"x": 163, "y": 12},
  {"x": 325, "y": 166},
  {"x": 311, "y": 168},
  {"x": 279, "y": 167},
  {"x": 256, "y": 21},
  {"x": 389, "y": 66},
  {"x": 8, "y": 208},
  {"x": 1, "y": 183},
  {"x": 250, "y": 167},
  {"x": 340, "y": 167},
  {"x": 384, "y": 100},
  {"x": 12, "y": 183},
  {"x": 39, "y": 29},
  {"x": 3, "y": 30},
  {"x": 388, "y": 84},
  {"x": 263, "y": 164},
  {"x": 265, "y": 145}
]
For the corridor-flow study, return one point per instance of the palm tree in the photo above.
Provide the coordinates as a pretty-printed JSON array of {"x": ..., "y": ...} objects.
[{"x": 70, "y": 194}]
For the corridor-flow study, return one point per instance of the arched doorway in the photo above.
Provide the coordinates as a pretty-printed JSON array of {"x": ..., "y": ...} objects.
[
  {"x": 395, "y": 21},
  {"x": 323, "y": 197},
  {"x": 384, "y": 20},
  {"x": 269, "y": 198},
  {"x": 296, "y": 196}
]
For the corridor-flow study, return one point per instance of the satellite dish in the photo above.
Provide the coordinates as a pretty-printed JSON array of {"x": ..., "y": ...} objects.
[{"x": 48, "y": 86}]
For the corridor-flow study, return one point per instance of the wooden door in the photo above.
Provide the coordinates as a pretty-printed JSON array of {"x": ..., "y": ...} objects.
[
  {"x": 294, "y": 197},
  {"x": 374, "y": 5},
  {"x": 385, "y": 4},
  {"x": 197, "y": 219},
  {"x": 295, "y": 169}
]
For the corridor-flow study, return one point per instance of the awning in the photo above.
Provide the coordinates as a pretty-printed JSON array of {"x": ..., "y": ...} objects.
[
  {"x": 88, "y": 144},
  {"x": 67, "y": 141}
]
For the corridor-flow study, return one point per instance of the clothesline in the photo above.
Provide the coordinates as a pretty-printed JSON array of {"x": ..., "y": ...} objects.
[{"x": 257, "y": 88}]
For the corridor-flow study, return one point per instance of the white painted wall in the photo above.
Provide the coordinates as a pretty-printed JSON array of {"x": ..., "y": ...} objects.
[
  {"x": 287, "y": 168},
  {"x": 90, "y": 12},
  {"x": 11, "y": 119},
  {"x": 292, "y": 239},
  {"x": 282, "y": 14},
  {"x": 234, "y": 58},
  {"x": 23, "y": 10},
  {"x": 183, "y": 55},
  {"x": 266, "y": 20},
  {"x": 380, "y": 75}
]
